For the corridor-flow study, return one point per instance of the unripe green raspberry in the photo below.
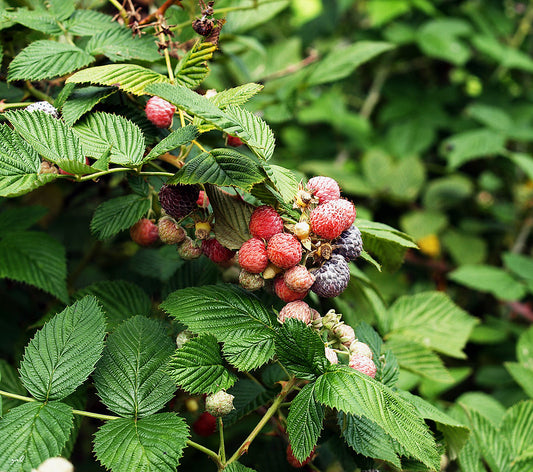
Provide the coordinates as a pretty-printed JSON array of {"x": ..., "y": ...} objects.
[
  {"x": 219, "y": 404},
  {"x": 169, "y": 231},
  {"x": 189, "y": 250},
  {"x": 251, "y": 281}
]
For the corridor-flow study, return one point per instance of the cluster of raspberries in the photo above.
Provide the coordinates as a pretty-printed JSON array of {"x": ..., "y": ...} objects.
[
  {"x": 312, "y": 254},
  {"x": 340, "y": 337}
]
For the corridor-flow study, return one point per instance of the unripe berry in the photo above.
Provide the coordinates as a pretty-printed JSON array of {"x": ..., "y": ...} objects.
[
  {"x": 331, "y": 355},
  {"x": 295, "y": 462},
  {"x": 55, "y": 464},
  {"x": 271, "y": 271},
  {"x": 160, "y": 112},
  {"x": 298, "y": 310},
  {"x": 188, "y": 249},
  {"x": 234, "y": 141},
  {"x": 253, "y": 256},
  {"x": 251, "y": 281},
  {"x": 215, "y": 251},
  {"x": 357, "y": 348},
  {"x": 203, "y": 199},
  {"x": 298, "y": 278},
  {"x": 363, "y": 364},
  {"x": 43, "y": 106},
  {"x": 192, "y": 405},
  {"x": 219, "y": 403},
  {"x": 284, "y": 250},
  {"x": 144, "y": 232},
  {"x": 301, "y": 230},
  {"x": 345, "y": 334},
  {"x": 182, "y": 338},
  {"x": 48, "y": 168},
  {"x": 202, "y": 229},
  {"x": 205, "y": 425},
  {"x": 169, "y": 231},
  {"x": 284, "y": 292}
]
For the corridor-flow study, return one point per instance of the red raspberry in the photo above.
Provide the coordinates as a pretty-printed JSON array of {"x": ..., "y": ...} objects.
[
  {"x": 299, "y": 279},
  {"x": 234, "y": 141},
  {"x": 160, "y": 112},
  {"x": 265, "y": 222},
  {"x": 250, "y": 281},
  {"x": 144, "y": 232},
  {"x": 295, "y": 462},
  {"x": 284, "y": 250},
  {"x": 363, "y": 364},
  {"x": 178, "y": 200},
  {"x": 169, "y": 231},
  {"x": 215, "y": 251},
  {"x": 188, "y": 250},
  {"x": 332, "y": 218},
  {"x": 324, "y": 188},
  {"x": 205, "y": 425},
  {"x": 203, "y": 199},
  {"x": 331, "y": 355},
  {"x": 284, "y": 292},
  {"x": 298, "y": 310},
  {"x": 253, "y": 256}
]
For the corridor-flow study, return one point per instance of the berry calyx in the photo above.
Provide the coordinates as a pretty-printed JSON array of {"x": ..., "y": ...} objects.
[
  {"x": 253, "y": 256},
  {"x": 284, "y": 250},
  {"x": 202, "y": 229},
  {"x": 363, "y": 364},
  {"x": 205, "y": 425},
  {"x": 301, "y": 230},
  {"x": 215, "y": 251},
  {"x": 219, "y": 404},
  {"x": 299, "y": 279},
  {"x": 160, "y": 112},
  {"x": 298, "y": 310},
  {"x": 265, "y": 222},
  {"x": 169, "y": 231},
  {"x": 284, "y": 292},
  {"x": 324, "y": 188},
  {"x": 178, "y": 200},
  {"x": 144, "y": 232}
]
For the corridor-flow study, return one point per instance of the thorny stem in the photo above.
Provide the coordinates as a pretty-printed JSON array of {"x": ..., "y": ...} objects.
[
  {"x": 121, "y": 10},
  {"x": 222, "y": 448}
]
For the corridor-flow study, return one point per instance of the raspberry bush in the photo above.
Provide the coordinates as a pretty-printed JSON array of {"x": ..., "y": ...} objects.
[{"x": 213, "y": 314}]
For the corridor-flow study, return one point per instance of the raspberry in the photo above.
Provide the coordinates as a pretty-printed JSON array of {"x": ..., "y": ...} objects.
[
  {"x": 301, "y": 230},
  {"x": 189, "y": 250},
  {"x": 331, "y": 355},
  {"x": 298, "y": 310},
  {"x": 295, "y": 462},
  {"x": 219, "y": 403},
  {"x": 55, "y": 464},
  {"x": 160, "y": 112},
  {"x": 215, "y": 251},
  {"x": 48, "y": 168},
  {"x": 234, "y": 141},
  {"x": 250, "y": 281},
  {"x": 332, "y": 218},
  {"x": 324, "y": 188},
  {"x": 345, "y": 334},
  {"x": 284, "y": 292},
  {"x": 332, "y": 278},
  {"x": 357, "y": 348},
  {"x": 205, "y": 425},
  {"x": 363, "y": 364},
  {"x": 265, "y": 222},
  {"x": 144, "y": 232},
  {"x": 43, "y": 106},
  {"x": 203, "y": 200},
  {"x": 169, "y": 231},
  {"x": 182, "y": 338},
  {"x": 178, "y": 200},
  {"x": 253, "y": 256},
  {"x": 299, "y": 279},
  {"x": 284, "y": 250},
  {"x": 349, "y": 244}
]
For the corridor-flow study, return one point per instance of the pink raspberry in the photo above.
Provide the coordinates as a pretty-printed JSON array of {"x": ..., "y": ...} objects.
[
  {"x": 331, "y": 355},
  {"x": 298, "y": 310},
  {"x": 203, "y": 199},
  {"x": 169, "y": 231},
  {"x": 188, "y": 249},
  {"x": 332, "y": 218},
  {"x": 234, "y": 141},
  {"x": 345, "y": 334},
  {"x": 284, "y": 292},
  {"x": 215, "y": 251},
  {"x": 284, "y": 250},
  {"x": 363, "y": 364},
  {"x": 324, "y": 188},
  {"x": 357, "y": 348},
  {"x": 160, "y": 112},
  {"x": 265, "y": 222},
  {"x": 144, "y": 232},
  {"x": 253, "y": 256},
  {"x": 299, "y": 279}
]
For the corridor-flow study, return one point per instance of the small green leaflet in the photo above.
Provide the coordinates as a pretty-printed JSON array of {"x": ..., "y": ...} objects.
[
  {"x": 284, "y": 181},
  {"x": 34, "y": 19},
  {"x": 89, "y": 23},
  {"x": 172, "y": 141},
  {"x": 236, "y": 95},
  {"x": 249, "y": 350},
  {"x": 120, "y": 45},
  {"x": 83, "y": 100},
  {"x": 192, "y": 68}
]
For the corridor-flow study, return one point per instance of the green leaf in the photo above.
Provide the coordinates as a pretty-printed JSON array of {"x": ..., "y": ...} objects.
[
  {"x": 522, "y": 160},
  {"x": 34, "y": 19},
  {"x": 524, "y": 348},
  {"x": 33, "y": 432},
  {"x": 304, "y": 422},
  {"x": 172, "y": 141},
  {"x": 120, "y": 45},
  {"x": 36, "y": 259},
  {"x": 249, "y": 350},
  {"x": 21, "y": 218},
  {"x": 100, "y": 131},
  {"x": 152, "y": 443},
  {"x": 284, "y": 181},
  {"x": 249, "y": 396},
  {"x": 506, "y": 56},
  {"x": 236, "y": 467},
  {"x": 236, "y": 95},
  {"x": 232, "y": 214},
  {"x": 522, "y": 374},
  {"x": 118, "y": 214},
  {"x": 60, "y": 9},
  {"x": 491, "y": 116},
  {"x": 433, "y": 320},
  {"x": 474, "y": 144},
  {"x": 519, "y": 264},
  {"x": 64, "y": 352},
  {"x": 130, "y": 78},
  {"x": 198, "y": 367},
  {"x": 160, "y": 263},
  {"x": 300, "y": 349},
  {"x": 465, "y": 248},
  {"x": 423, "y": 223},
  {"x": 89, "y": 23},
  {"x": 83, "y": 100},
  {"x": 119, "y": 299},
  {"x": 341, "y": 62},
  {"x": 517, "y": 426},
  {"x": 221, "y": 167},
  {"x": 489, "y": 279},
  {"x": 447, "y": 192},
  {"x": 245, "y": 20},
  {"x": 353, "y": 392},
  {"x": 131, "y": 376},
  {"x": 441, "y": 39},
  {"x": 45, "y": 59},
  {"x": 192, "y": 68}
]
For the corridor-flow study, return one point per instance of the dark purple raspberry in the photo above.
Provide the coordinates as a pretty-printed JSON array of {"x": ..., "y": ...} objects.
[
  {"x": 332, "y": 278},
  {"x": 349, "y": 244},
  {"x": 178, "y": 200}
]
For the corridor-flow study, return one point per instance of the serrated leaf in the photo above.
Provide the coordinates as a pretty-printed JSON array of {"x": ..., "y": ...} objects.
[
  {"x": 353, "y": 392},
  {"x": 60, "y": 9},
  {"x": 193, "y": 273},
  {"x": 522, "y": 375},
  {"x": 284, "y": 181},
  {"x": 517, "y": 426},
  {"x": 21, "y": 218},
  {"x": 118, "y": 214},
  {"x": 198, "y": 367},
  {"x": 128, "y": 77},
  {"x": 524, "y": 348},
  {"x": 83, "y": 100},
  {"x": 236, "y": 467},
  {"x": 232, "y": 214},
  {"x": 36, "y": 259},
  {"x": 474, "y": 144},
  {"x": 34, "y": 19},
  {"x": 304, "y": 422},
  {"x": 131, "y": 376},
  {"x": 64, "y": 352},
  {"x": 45, "y": 59},
  {"x": 236, "y": 95},
  {"x": 172, "y": 141},
  {"x": 152, "y": 443},
  {"x": 433, "y": 320},
  {"x": 33, "y": 432},
  {"x": 300, "y": 349},
  {"x": 160, "y": 263},
  {"x": 89, "y": 23},
  {"x": 249, "y": 350},
  {"x": 261, "y": 140},
  {"x": 120, "y": 45},
  {"x": 100, "y": 131},
  {"x": 221, "y": 167},
  {"x": 192, "y": 68},
  {"x": 119, "y": 299}
]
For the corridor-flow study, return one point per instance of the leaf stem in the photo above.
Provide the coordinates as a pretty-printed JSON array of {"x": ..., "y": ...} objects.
[
  {"x": 163, "y": 39},
  {"x": 221, "y": 449},
  {"x": 38, "y": 94},
  {"x": 213, "y": 455},
  {"x": 7, "y": 106},
  {"x": 16, "y": 397},
  {"x": 121, "y": 10},
  {"x": 287, "y": 387},
  {"x": 199, "y": 145},
  {"x": 161, "y": 174},
  {"x": 102, "y": 173}
]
